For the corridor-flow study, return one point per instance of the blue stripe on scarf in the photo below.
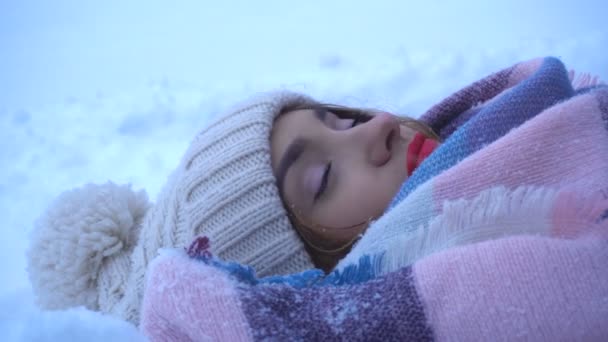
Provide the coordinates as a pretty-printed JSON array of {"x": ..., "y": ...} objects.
[{"x": 547, "y": 86}]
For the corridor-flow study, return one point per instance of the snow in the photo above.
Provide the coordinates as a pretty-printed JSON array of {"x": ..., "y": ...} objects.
[
  {"x": 20, "y": 320},
  {"x": 92, "y": 91}
]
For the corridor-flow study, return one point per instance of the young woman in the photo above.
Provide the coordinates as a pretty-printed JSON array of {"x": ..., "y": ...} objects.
[
  {"x": 284, "y": 183},
  {"x": 248, "y": 181}
]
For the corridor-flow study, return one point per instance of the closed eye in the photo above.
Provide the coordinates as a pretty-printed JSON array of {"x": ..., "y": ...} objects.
[{"x": 324, "y": 180}]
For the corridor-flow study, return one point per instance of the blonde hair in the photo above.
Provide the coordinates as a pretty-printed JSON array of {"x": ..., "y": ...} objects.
[{"x": 326, "y": 257}]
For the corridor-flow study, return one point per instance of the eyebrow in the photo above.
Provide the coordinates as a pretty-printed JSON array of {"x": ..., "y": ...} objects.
[{"x": 291, "y": 155}]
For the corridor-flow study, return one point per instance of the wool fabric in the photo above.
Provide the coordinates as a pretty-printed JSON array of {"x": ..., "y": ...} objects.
[
  {"x": 499, "y": 235},
  {"x": 93, "y": 244}
]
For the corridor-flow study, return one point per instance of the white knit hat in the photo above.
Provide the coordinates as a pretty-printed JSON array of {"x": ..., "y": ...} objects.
[{"x": 93, "y": 244}]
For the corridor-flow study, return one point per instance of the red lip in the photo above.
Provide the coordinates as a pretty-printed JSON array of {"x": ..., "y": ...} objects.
[{"x": 419, "y": 148}]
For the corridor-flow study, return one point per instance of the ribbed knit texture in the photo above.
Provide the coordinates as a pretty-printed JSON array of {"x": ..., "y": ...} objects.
[{"x": 224, "y": 188}]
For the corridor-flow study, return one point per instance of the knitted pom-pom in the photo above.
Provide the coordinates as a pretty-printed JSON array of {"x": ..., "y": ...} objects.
[{"x": 81, "y": 231}]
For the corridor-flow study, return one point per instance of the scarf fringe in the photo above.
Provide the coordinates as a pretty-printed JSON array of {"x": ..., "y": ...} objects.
[
  {"x": 583, "y": 80},
  {"x": 494, "y": 213}
]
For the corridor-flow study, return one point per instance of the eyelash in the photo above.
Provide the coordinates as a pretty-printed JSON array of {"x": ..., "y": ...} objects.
[{"x": 324, "y": 181}]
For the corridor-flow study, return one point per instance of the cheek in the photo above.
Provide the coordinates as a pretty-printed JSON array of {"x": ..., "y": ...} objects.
[{"x": 358, "y": 199}]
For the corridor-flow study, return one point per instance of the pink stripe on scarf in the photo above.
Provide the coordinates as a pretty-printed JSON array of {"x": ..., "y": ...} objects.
[
  {"x": 575, "y": 214},
  {"x": 521, "y": 288},
  {"x": 182, "y": 303},
  {"x": 521, "y": 71},
  {"x": 563, "y": 147}
]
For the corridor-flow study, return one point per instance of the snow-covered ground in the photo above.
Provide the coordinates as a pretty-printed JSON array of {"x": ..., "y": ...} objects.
[{"x": 115, "y": 90}]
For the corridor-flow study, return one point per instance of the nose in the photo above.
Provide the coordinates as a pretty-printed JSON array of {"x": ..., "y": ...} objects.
[{"x": 379, "y": 134}]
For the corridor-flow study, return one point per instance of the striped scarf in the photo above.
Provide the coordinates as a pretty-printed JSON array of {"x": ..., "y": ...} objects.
[
  {"x": 500, "y": 234},
  {"x": 517, "y": 144}
]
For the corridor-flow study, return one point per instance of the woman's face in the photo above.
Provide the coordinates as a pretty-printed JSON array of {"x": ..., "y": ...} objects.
[{"x": 335, "y": 172}]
